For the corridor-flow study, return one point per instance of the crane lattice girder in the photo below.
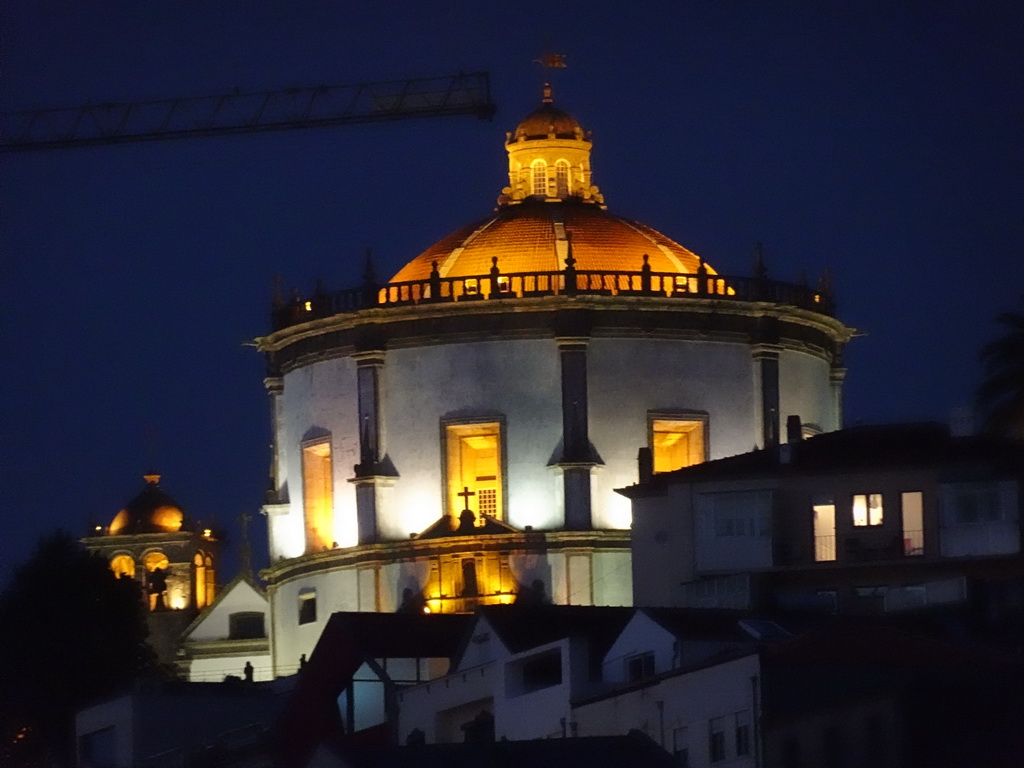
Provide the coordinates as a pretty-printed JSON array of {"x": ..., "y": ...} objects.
[{"x": 462, "y": 94}]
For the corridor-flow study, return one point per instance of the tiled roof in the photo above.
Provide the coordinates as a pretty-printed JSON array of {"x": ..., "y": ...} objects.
[{"x": 523, "y": 239}]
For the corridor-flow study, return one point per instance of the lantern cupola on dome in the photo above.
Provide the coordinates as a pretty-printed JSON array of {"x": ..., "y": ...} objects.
[{"x": 549, "y": 158}]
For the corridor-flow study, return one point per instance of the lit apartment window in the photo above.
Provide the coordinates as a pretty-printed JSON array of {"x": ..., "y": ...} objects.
[
  {"x": 539, "y": 170},
  {"x": 824, "y": 511},
  {"x": 678, "y": 440},
  {"x": 307, "y": 605},
  {"x": 474, "y": 468},
  {"x": 912, "y": 507},
  {"x": 318, "y": 495},
  {"x": 867, "y": 509}
]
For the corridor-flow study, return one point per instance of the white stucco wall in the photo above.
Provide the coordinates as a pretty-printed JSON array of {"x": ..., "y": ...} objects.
[
  {"x": 318, "y": 399},
  {"x": 805, "y": 390},
  {"x": 630, "y": 377},
  {"x": 518, "y": 379},
  {"x": 685, "y": 701},
  {"x": 215, "y": 625}
]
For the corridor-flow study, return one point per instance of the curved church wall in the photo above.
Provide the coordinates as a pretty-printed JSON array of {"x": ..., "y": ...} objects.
[
  {"x": 514, "y": 381},
  {"x": 805, "y": 390},
  {"x": 632, "y": 378},
  {"x": 319, "y": 402}
]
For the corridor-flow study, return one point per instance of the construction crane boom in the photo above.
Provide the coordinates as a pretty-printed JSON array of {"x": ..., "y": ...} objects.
[{"x": 100, "y": 124}]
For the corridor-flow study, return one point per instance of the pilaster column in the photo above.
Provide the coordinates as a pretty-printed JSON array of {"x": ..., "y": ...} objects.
[
  {"x": 275, "y": 388},
  {"x": 577, "y": 458},
  {"x": 370, "y": 475},
  {"x": 836, "y": 376},
  {"x": 766, "y": 365}
]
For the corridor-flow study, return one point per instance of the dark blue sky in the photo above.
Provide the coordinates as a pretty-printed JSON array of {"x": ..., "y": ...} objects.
[{"x": 881, "y": 142}]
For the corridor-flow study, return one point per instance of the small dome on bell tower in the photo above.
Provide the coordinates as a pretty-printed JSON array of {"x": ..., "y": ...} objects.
[{"x": 549, "y": 157}]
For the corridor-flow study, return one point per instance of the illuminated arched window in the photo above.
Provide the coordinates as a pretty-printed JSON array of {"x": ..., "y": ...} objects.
[
  {"x": 540, "y": 177},
  {"x": 156, "y": 584},
  {"x": 123, "y": 565},
  {"x": 200, "y": 569},
  {"x": 562, "y": 178},
  {"x": 318, "y": 494},
  {"x": 211, "y": 581}
]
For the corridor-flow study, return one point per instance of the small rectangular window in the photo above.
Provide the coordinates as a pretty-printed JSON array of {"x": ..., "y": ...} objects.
[
  {"x": 639, "y": 666},
  {"x": 677, "y": 440},
  {"x": 247, "y": 625},
  {"x": 716, "y": 739},
  {"x": 681, "y": 746},
  {"x": 742, "y": 721},
  {"x": 867, "y": 509},
  {"x": 307, "y": 605}
]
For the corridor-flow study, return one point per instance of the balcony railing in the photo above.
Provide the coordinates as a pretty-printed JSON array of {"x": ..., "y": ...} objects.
[{"x": 496, "y": 286}]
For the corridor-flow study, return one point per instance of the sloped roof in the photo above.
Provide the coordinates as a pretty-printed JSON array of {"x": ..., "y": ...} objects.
[
  {"x": 862, "y": 447},
  {"x": 522, "y": 627}
]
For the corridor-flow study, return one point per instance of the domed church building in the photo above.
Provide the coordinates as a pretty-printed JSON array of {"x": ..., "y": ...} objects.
[
  {"x": 453, "y": 436},
  {"x": 152, "y": 540}
]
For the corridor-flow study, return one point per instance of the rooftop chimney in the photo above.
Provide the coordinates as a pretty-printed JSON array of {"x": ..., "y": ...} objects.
[
  {"x": 645, "y": 463},
  {"x": 794, "y": 429}
]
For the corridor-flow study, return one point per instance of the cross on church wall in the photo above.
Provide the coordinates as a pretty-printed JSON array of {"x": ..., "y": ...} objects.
[{"x": 466, "y": 493}]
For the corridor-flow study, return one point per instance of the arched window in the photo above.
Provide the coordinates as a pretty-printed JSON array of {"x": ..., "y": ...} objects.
[
  {"x": 540, "y": 177},
  {"x": 157, "y": 566},
  {"x": 561, "y": 179},
  {"x": 318, "y": 494},
  {"x": 123, "y": 565},
  {"x": 200, "y": 569},
  {"x": 211, "y": 580}
]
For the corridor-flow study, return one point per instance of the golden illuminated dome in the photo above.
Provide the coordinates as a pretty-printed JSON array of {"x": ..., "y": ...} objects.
[
  {"x": 152, "y": 511},
  {"x": 546, "y": 122},
  {"x": 550, "y": 202},
  {"x": 534, "y": 237}
]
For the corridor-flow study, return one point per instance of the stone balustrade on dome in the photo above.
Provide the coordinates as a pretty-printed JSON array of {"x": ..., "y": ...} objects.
[{"x": 497, "y": 285}]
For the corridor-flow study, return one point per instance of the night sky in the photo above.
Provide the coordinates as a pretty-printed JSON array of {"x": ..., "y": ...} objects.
[{"x": 881, "y": 142}]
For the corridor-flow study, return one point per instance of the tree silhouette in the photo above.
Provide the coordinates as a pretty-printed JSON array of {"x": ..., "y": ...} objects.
[
  {"x": 1000, "y": 397},
  {"x": 72, "y": 632}
]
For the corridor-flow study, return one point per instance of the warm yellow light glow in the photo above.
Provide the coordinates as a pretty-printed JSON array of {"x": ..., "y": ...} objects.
[
  {"x": 867, "y": 509},
  {"x": 123, "y": 565},
  {"x": 155, "y": 560},
  {"x": 677, "y": 443},
  {"x": 308, "y": 306},
  {"x": 167, "y": 518},
  {"x": 474, "y": 468},
  {"x": 426, "y": 609},
  {"x": 200, "y": 578},
  {"x": 318, "y": 495}
]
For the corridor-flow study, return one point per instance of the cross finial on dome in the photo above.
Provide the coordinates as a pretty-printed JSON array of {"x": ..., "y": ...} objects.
[{"x": 546, "y": 98}]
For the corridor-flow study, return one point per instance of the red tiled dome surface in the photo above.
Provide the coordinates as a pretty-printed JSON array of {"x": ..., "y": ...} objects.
[{"x": 523, "y": 238}]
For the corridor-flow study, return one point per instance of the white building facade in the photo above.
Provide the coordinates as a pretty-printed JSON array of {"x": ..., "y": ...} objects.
[{"x": 453, "y": 437}]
